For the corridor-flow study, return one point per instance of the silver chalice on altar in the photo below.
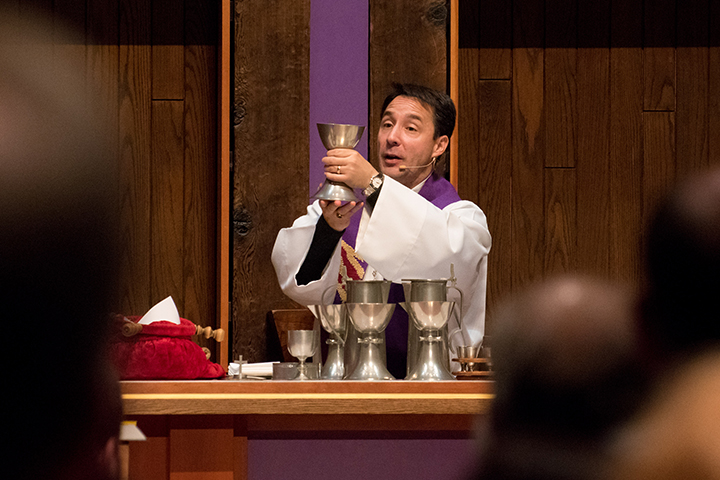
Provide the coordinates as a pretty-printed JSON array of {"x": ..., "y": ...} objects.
[
  {"x": 338, "y": 135},
  {"x": 430, "y": 318},
  {"x": 302, "y": 344},
  {"x": 333, "y": 318},
  {"x": 370, "y": 321}
]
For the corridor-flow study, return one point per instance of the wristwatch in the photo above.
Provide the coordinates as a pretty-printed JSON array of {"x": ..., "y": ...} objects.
[{"x": 375, "y": 182}]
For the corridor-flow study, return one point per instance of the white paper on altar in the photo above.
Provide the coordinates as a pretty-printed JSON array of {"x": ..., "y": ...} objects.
[
  {"x": 263, "y": 369},
  {"x": 164, "y": 310}
]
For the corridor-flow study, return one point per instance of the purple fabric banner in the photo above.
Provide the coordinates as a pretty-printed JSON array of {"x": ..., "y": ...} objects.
[{"x": 339, "y": 36}]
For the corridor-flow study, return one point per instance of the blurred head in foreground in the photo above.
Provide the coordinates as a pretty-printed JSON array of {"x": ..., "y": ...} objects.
[
  {"x": 564, "y": 355},
  {"x": 677, "y": 435},
  {"x": 682, "y": 271},
  {"x": 56, "y": 271}
]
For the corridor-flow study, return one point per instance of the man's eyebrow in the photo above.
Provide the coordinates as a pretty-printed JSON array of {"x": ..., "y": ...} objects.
[{"x": 412, "y": 116}]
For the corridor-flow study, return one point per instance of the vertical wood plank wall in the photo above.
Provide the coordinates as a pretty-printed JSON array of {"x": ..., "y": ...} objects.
[
  {"x": 574, "y": 117},
  {"x": 271, "y": 107},
  {"x": 408, "y": 44},
  {"x": 270, "y": 187},
  {"x": 154, "y": 64}
]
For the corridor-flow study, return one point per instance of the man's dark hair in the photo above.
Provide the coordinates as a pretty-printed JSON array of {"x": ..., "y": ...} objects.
[
  {"x": 567, "y": 376},
  {"x": 440, "y": 104}
]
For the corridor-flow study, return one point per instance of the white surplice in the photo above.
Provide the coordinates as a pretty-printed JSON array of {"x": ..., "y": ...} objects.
[{"x": 405, "y": 237}]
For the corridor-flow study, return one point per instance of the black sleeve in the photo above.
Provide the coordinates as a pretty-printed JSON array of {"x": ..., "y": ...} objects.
[
  {"x": 321, "y": 249},
  {"x": 372, "y": 199}
]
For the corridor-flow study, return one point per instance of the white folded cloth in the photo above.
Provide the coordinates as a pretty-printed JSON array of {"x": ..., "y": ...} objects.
[{"x": 262, "y": 369}]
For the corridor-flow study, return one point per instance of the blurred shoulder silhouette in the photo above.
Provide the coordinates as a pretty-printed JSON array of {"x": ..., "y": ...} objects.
[
  {"x": 677, "y": 434},
  {"x": 565, "y": 359},
  {"x": 57, "y": 253},
  {"x": 682, "y": 271}
]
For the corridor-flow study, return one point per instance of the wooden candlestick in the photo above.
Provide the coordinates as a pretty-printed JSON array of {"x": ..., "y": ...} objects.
[
  {"x": 130, "y": 329},
  {"x": 207, "y": 332}
]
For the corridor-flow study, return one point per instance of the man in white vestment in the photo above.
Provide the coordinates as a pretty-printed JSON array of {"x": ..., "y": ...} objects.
[{"x": 411, "y": 225}]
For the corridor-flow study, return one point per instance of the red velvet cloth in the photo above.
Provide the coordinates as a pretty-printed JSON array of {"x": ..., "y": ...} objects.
[{"x": 163, "y": 351}]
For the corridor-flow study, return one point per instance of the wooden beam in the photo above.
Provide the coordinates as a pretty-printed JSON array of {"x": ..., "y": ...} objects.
[
  {"x": 223, "y": 239},
  {"x": 454, "y": 85}
]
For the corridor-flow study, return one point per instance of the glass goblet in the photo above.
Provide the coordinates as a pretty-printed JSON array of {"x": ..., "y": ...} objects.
[{"x": 302, "y": 344}]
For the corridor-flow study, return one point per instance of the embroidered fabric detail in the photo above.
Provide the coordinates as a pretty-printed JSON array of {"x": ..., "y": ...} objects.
[{"x": 353, "y": 264}]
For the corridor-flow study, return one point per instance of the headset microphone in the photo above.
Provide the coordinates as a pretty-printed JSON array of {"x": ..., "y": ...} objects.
[{"x": 402, "y": 168}]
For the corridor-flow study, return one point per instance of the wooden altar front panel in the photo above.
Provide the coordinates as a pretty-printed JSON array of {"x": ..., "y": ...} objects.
[{"x": 200, "y": 430}]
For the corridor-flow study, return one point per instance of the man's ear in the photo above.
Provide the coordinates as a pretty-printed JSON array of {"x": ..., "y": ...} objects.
[{"x": 441, "y": 144}]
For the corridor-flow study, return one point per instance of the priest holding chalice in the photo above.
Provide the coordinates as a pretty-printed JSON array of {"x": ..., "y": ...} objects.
[{"x": 411, "y": 223}]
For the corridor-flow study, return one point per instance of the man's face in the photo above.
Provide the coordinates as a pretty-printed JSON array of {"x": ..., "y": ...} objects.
[{"x": 406, "y": 138}]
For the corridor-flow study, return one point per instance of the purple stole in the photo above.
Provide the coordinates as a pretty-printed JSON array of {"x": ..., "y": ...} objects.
[{"x": 440, "y": 193}]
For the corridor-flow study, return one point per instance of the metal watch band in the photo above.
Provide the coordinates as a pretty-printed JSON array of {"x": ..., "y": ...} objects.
[{"x": 375, "y": 182}]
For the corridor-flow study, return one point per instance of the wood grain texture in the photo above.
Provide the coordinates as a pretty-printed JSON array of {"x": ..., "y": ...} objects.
[
  {"x": 313, "y": 397},
  {"x": 168, "y": 50},
  {"x": 527, "y": 166},
  {"x": 134, "y": 97},
  {"x": 453, "y": 87},
  {"x": 289, "y": 404},
  {"x": 224, "y": 181},
  {"x": 167, "y": 176},
  {"x": 659, "y": 55},
  {"x": 593, "y": 173},
  {"x": 659, "y": 160},
  {"x": 641, "y": 78},
  {"x": 168, "y": 186},
  {"x": 495, "y": 38},
  {"x": 593, "y": 134},
  {"x": 271, "y": 111},
  {"x": 560, "y": 221},
  {"x": 626, "y": 97},
  {"x": 714, "y": 83},
  {"x": 494, "y": 170},
  {"x": 408, "y": 44},
  {"x": 103, "y": 75},
  {"x": 560, "y": 86},
  {"x": 467, "y": 128},
  {"x": 157, "y": 145},
  {"x": 200, "y": 156},
  {"x": 615, "y": 81},
  {"x": 528, "y": 140},
  {"x": 692, "y": 86},
  {"x": 310, "y": 389}
]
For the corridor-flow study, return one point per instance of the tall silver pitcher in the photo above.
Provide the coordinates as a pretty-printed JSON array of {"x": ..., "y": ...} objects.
[
  {"x": 363, "y": 291},
  {"x": 428, "y": 290}
]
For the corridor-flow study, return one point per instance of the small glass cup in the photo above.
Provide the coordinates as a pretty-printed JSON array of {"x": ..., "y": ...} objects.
[{"x": 302, "y": 344}]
